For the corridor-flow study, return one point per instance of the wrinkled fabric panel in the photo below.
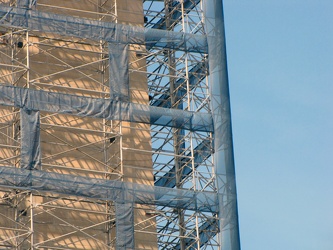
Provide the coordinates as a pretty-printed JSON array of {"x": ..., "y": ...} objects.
[
  {"x": 124, "y": 226},
  {"x": 30, "y": 99},
  {"x": 98, "y": 30},
  {"x": 26, "y": 3},
  {"x": 30, "y": 139},
  {"x": 119, "y": 74},
  {"x": 110, "y": 190}
]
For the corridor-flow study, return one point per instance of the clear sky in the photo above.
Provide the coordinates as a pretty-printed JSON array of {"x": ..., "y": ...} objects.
[{"x": 280, "y": 59}]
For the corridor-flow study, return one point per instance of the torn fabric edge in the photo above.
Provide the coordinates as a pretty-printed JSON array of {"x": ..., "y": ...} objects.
[{"x": 39, "y": 100}]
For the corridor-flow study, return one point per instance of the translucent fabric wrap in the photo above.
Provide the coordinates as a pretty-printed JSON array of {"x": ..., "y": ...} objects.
[
  {"x": 119, "y": 80},
  {"x": 124, "y": 194},
  {"x": 220, "y": 108},
  {"x": 26, "y": 3},
  {"x": 109, "y": 190},
  {"x": 98, "y": 30},
  {"x": 125, "y": 226},
  {"x": 39, "y": 100},
  {"x": 30, "y": 139},
  {"x": 222, "y": 202}
]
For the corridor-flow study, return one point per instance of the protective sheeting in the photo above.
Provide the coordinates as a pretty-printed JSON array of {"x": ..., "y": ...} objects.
[
  {"x": 224, "y": 203},
  {"x": 119, "y": 75},
  {"x": 26, "y": 3},
  {"x": 30, "y": 139},
  {"x": 30, "y": 99},
  {"x": 220, "y": 107},
  {"x": 118, "y": 191},
  {"x": 98, "y": 30},
  {"x": 125, "y": 226}
]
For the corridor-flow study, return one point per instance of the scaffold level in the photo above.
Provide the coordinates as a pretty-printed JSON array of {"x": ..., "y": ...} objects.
[{"x": 115, "y": 126}]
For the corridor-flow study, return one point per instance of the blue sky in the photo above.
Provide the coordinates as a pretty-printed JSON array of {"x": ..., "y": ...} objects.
[{"x": 280, "y": 59}]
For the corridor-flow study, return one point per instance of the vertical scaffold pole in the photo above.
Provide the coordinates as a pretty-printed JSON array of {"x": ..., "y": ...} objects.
[{"x": 220, "y": 108}]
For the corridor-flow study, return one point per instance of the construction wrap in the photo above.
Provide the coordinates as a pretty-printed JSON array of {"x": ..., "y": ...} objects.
[
  {"x": 125, "y": 226},
  {"x": 220, "y": 107},
  {"x": 30, "y": 139},
  {"x": 30, "y": 102},
  {"x": 119, "y": 74},
  {"x": 39, "y": 100},
  {"x": 98, "y": 30},
  {"x": 26, "y": 3},
  {"x": 110, "y": 190}
]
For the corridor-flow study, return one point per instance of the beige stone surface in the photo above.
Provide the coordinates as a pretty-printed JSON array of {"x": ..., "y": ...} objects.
[{"x": 72, "y": 145}]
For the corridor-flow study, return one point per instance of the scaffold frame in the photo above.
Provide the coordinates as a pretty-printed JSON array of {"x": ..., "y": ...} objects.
[{"x": 115, "y": 126}]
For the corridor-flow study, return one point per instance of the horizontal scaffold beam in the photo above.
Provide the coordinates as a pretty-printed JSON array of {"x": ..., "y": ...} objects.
[
  {"x": 99, "y": 30},
  {"x": 40, "y": 100},
  {"x": 110, "y": 190}
]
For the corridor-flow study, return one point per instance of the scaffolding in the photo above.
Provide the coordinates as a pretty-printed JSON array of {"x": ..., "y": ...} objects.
[{"x": 115, "y": 128}]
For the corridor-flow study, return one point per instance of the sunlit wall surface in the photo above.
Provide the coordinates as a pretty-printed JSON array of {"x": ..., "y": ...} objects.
[{"x": 115, "y": 128}]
